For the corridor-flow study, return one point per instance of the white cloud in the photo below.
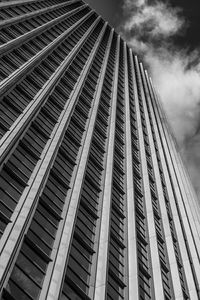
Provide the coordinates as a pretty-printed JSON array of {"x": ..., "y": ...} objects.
[
  {"x": 158, "y": 19},
  {"x": 179, "y": 90},
  {"x": 128, "y": 4}
]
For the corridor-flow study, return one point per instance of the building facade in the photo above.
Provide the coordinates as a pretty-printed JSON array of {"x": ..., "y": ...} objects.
[{"x": 94, "y": 200}]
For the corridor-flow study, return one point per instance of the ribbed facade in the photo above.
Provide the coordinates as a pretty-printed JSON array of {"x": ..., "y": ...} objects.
[{"x": 94, "y": 200}]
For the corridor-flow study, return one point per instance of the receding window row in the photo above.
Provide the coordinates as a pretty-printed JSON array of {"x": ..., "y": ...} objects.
[
  {"x": 170, "y": 218},
  {"x": 19, "y": 56},
  {"x": 117, "y": 242},
  {"x": 166, "y": 276},
  {"x": 42, "y": 125},
  {"x": 10, "y": 32},
  {"x": 14, "y": 103},
  {"x": 164, "y": 263},
  {"x": 146, "y": 290},
  {"x": 85, "y": 229},
  {"x": 39, "y": 240},
  {"x": 79, "y": 266},
  {"x": 25, "y": 8},
  {"x": 171, "y": 222},
  {"x": 177, "y": 252},
  {"x": 144, "y": 261},
  {"x": 42, "y": 231},
  {"x": 16, "y": 172}
]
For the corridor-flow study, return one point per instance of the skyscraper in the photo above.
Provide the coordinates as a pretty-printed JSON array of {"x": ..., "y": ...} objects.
[{"x": 95, "y": 202}]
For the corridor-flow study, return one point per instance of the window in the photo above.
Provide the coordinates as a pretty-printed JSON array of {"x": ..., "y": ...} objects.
[
  {"x": 144, "y": 287},
  {"x": 20, "y": 284}
]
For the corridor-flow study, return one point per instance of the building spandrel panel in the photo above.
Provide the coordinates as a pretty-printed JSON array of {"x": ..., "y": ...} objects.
[{"x": 95, "y": 202}]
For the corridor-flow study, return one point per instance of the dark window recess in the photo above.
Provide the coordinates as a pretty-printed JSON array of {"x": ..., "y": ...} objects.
[
  {"x": 143, "y": 253},
  {"x": 166, "y": 276},
  {"x": 117, "y": 248}
]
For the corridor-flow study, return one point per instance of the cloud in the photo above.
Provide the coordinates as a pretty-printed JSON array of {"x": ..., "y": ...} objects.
[
  {"x": 130, "y": 4},
  {"x": 151, "y": 30},
  {"x": 179, "y": 91},
  {"x": 158, "y": 19},
  {"x": 146, "y": 26}
]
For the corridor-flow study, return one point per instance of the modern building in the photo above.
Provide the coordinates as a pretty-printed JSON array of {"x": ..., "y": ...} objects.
[{"x": 95, "y": 202}]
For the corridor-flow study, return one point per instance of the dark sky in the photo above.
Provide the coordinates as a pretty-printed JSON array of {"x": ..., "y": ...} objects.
[
  {"x": 111, "y": 10},
  {"x": 191, "y": 12}
]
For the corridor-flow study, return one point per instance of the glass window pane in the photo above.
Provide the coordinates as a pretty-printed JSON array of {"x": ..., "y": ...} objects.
[
  {"x": 33, "y": 256},
  {"x": 16, "y": 292},
  {"x": 29, "y": 268},
  {"x": 73, "y": 277},
  {"x": 41, "y": 233},
  {"x": 36, "y": 240},
  {"x": 45, "y": 223},
  {"x": 77, "y": 268},
  {"x": 69, "y": 293},
  {"x": 25, "y": 283}
]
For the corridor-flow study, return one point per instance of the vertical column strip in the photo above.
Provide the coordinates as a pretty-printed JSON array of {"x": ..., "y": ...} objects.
[
  {"x": 189, "y": 210},
  {"x": 186, "y": 187},
  {"x": 25, "y": 208},
  {"x": 156, "y": 270},
  {"x": 165, "y": 222},
  {"x": 100, "y": 286},
  {"x": 132, "y": 247},
  {"x": 64, "y": 246},
  {"x": 180, "y": 237},
  {"x": 185, "y": 223}
]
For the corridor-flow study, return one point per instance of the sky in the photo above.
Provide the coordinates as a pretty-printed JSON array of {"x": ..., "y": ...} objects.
[
  {"x": 112, "y": 11},
  {"x": 166, "y": 36}
]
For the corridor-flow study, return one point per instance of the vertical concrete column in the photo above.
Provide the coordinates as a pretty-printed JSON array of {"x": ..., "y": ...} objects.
[
  {"x": 102, "y": 257},
  {"x": 13, "y": 235},
  {"x": 156, "y": 269},
  {"x": 55, "y": 284},
  {"x": 179, "y": 214},
  {"x": 132, "y": 240},
  {"x": 165, "y": 221},
  {"x": 180, "y": 238}
]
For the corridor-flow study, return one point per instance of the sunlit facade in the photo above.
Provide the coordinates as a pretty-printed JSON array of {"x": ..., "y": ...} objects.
[{"x": 94, "y": 200}]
